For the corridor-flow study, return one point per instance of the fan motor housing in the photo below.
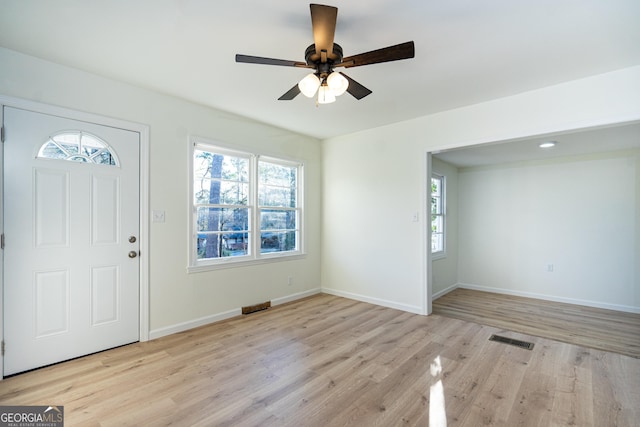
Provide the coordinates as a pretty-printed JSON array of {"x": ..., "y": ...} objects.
[{"x": 315, "y": 59}]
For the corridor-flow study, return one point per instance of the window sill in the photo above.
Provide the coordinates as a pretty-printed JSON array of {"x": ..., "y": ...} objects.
[{"x": 244, "y": 263}]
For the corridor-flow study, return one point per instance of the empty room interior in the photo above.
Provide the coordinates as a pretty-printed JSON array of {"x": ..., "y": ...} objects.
[{"x": 429, "y": 217}]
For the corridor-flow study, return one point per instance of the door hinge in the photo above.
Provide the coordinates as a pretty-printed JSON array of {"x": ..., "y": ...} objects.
[
  {"x": 2, "y": 133},
  {"x": 2, "y": 241},
  {"x": 2, "y": 350}
]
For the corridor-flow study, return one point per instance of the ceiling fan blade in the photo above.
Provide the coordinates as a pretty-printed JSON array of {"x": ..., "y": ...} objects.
[
  {"x": 290, "y": 94},
  {"x": 386, "y": 54},
  {"x": 270, "y": 61},
  {"x": 356, "y": 89},
  {"x": 323, "y": 21}
]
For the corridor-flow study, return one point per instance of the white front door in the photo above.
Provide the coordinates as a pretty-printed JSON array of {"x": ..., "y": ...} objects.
[{"x": 71, "y": 271}]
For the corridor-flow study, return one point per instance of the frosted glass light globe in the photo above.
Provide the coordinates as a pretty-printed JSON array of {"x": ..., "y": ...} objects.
[
  {"x": 309, "y": 85},
  {"x": 325, "y": 96},
  {"x": 337, "y": 83}
]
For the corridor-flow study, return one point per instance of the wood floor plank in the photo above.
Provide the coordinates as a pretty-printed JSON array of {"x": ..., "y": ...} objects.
[
  {"x": 384, "y": 403},
  {"x": 498, "y": 393},
  {"x": 533, "y": 400},
  {"x": 573, "y": 388},
  {"x": 330, "y": 361}
]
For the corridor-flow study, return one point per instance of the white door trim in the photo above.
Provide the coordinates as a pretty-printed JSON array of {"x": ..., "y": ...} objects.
[{"x": 143, "y": 130}]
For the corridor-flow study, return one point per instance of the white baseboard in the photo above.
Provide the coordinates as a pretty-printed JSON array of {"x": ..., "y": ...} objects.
[
  {"x": 294, "y": 297},
  {"x": 185, "y": 326},
  {"x": 377, "y": 301},
  {"x": 443, "y": 292},
  {"x": 576, "y": 301}
]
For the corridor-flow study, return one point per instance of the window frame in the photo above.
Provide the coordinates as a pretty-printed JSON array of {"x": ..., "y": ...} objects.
[
  {"x": 443, "y": 213},
  {"x": 254, "y": 255}
]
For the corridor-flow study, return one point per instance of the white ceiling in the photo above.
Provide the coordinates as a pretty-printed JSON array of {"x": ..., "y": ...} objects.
[
  {"x": 467, "y": 51},
  {"x": 584, "y": 142}
]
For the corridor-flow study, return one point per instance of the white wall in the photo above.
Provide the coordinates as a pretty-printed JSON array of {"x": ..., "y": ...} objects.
[
  {"x": 370, "y": 195},
  {"x": 373, "y": 181},
  {"x": 445, "y": 270},
  {"x": 178, "y": 299},
  {"x": 577, "y": 216}
]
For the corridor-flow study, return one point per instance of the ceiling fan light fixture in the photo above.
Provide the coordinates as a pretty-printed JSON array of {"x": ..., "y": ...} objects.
[
  {"x": 325, "y": 95},
  {"x": 324, "y": 55},
  {"x": 309, "y": 85},
  {"x": 337, "y": 83}
]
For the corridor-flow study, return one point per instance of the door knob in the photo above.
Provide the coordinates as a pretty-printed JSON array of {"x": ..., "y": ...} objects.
[{"x": 133, "y": 254}]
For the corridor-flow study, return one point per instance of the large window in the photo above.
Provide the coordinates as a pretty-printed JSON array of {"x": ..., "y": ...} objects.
[
  {"x": 437, "y": 215},
  {"x": 245, "y": 207}
]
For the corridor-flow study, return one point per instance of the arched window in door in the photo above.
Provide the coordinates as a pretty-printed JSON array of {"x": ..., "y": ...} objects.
[{"x": 78, "y": 146}]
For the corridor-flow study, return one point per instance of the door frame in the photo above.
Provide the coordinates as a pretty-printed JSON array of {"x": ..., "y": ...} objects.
[{"x": 143, "y": 131}]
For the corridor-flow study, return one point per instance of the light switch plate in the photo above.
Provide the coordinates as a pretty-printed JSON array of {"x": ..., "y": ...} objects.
[{"x": 158, "y": 216}]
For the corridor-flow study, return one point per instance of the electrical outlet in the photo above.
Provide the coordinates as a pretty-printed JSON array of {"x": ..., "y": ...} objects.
[
  {"x": 550, "y": 268},
  {"x": 290, "y": 281}
]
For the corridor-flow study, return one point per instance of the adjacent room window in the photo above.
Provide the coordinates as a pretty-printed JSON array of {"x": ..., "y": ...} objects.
[
  {"x": 78, "y": 146},
  {"x": 437, "y": 215},
  {"x": 246, "y": 207}
]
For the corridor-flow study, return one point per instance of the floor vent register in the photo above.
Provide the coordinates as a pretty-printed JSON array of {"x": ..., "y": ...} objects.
[{"x": 522, "y": 344}]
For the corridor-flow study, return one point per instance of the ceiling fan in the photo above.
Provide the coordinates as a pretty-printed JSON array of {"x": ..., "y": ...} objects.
[{"x": 324, "y": 56}]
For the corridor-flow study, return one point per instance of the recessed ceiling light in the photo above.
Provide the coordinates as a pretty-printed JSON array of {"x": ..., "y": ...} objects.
[{"x": 548, "y": 144}]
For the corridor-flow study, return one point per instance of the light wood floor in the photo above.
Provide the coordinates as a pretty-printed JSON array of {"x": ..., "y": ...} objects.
[
  {"x": 586, "y": 326},
  {"x": 330, "y": 361}
]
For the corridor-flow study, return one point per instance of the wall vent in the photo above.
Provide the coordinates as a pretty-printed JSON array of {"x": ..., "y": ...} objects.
[
  {"x": 511, "y": 341},
  {"x": 258, "y": 307}
]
